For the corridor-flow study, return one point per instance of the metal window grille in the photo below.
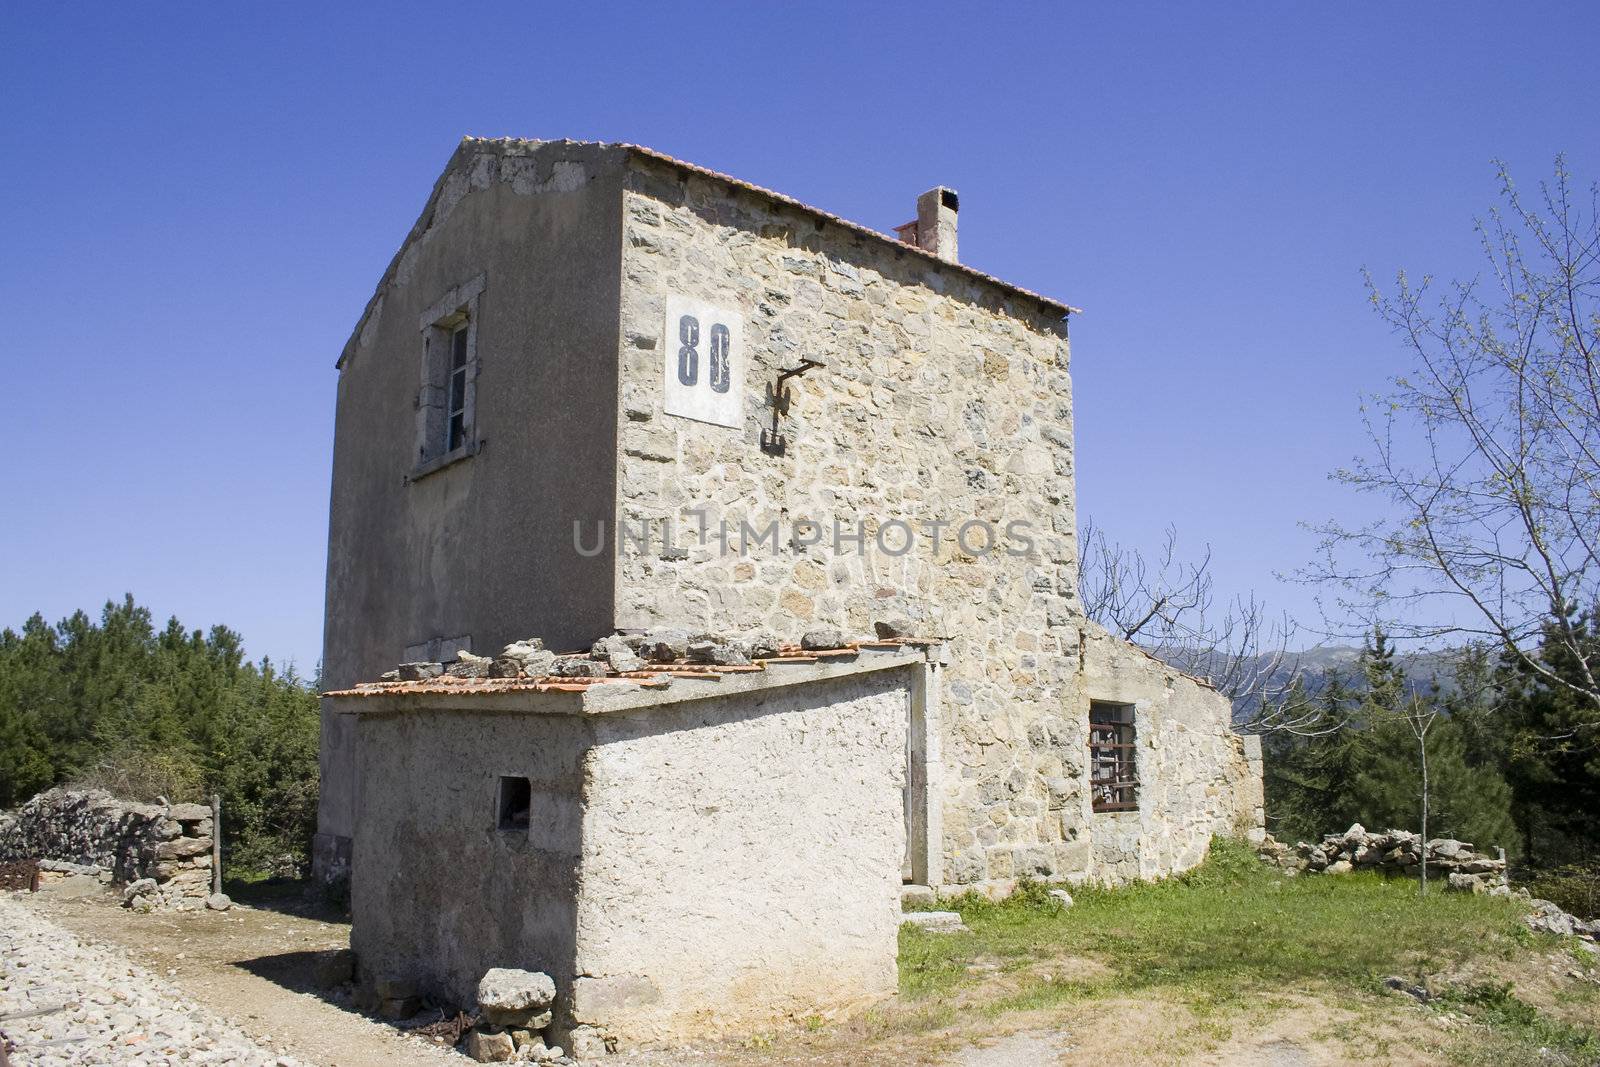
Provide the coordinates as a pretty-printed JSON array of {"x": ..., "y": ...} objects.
[{"x": 1113, "y": 783}]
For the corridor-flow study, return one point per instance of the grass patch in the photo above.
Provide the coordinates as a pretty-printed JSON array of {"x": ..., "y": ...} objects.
[
  {"x": 1220, "y": 933},
  {"x": 1228, "y": 941},
  {"x": 1520, "y": 1024}
]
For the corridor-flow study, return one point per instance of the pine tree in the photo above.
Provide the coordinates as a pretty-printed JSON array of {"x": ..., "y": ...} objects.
[{"x": 174, "y": 713}]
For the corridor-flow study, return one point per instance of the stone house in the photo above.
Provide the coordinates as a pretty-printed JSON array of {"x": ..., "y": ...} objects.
[{"x": 601, "y": 390}]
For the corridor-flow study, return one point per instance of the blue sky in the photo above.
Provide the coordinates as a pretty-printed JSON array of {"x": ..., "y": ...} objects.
[{"x": 198, "y": 199}]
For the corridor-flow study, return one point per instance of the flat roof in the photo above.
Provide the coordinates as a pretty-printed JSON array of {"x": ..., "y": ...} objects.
[{"x": 653, "y": 686}]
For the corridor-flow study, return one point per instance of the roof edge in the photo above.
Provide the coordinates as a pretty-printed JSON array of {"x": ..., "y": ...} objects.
[
  {"x": 469, "y": 146},
  {"x": 1049, "y": 303}
]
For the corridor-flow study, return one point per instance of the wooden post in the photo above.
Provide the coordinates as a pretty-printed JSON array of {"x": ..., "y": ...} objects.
[{"x": 216, "y": 843}]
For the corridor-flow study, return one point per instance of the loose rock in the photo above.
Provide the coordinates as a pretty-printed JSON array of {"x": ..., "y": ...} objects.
[
  {"x": 420, "y": 672},
  {"x": 935, "y": 922},
  {"x": 469, "y": 666},
  {"x": 516, "y": 998},
  {"x": 822, "y": 640}
]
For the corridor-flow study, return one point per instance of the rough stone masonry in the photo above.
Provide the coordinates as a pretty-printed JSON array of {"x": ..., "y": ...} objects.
[
  {"x": 933, "y": 397},
  {"x": 160, "y": 852}
]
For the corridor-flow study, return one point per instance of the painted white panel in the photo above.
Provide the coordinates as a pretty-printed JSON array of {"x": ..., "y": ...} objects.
[{"x": 703, "y": 362}]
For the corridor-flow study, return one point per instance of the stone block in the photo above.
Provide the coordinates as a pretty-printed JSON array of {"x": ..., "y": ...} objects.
[
  {"x": 490, "y": 1046},
  {"x": 664, "y": 646},
  {"x": 135, "y": 890},
  {"x": 189, "y": 812},
  {"x": 420, "y": 671},
  {"x": 183, "y": 848},
  {"x": 821, "y": 640},
  {"x": 469, "y": 666},
  {"x": 512, "y": 997},
  {"x": 587, "y": 1043},
  {"x": 935, "y": 922}
]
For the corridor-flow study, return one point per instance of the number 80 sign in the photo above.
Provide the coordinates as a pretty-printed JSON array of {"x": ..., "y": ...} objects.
[{"x": 703, "y": 362}]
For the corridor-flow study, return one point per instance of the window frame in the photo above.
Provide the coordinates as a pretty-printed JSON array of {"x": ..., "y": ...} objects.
[
  {"x": 1113, "y": 744},
  {"x": 446, "y": 400},
  {"x": 455, "y": 408}
]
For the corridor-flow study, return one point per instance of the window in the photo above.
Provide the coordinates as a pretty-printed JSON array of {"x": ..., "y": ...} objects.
[
  {"x": 1113, "y": 785},
  {"x": 516, "y": 798},
  {"x": 447, "y": 397},
  {"x": 456, "y": 427}
]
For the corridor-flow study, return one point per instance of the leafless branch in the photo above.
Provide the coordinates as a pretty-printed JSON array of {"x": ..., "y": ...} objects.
[
  {"x": 1488, "y": 450},
  {"x": 1168, "y": 606}
]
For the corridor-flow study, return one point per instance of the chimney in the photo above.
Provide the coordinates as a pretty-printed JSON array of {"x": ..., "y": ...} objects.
[{"x": 935, "y": 227}]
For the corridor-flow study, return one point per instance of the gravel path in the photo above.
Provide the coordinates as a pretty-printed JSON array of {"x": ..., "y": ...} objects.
[{"x": 66, "y": 1002}]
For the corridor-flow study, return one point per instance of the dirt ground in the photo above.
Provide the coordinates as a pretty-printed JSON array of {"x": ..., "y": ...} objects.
[{"x": 252, "y": 965}]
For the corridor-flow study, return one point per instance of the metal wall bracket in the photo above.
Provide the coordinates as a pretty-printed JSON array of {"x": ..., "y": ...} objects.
[{"x": 778, "y": 398}]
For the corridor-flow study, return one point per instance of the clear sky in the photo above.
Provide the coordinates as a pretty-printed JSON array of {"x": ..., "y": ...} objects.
[{"x": 197, "y": 200}]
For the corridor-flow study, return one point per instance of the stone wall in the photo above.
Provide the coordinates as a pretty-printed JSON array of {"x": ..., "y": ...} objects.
[
  {"x": 128, "y": 842},
  {"x": 877, "y": 435},
  {"x": 477, "y": 553},
  {"x": 1453, "y": 863},
  {"x": 944, "y": 399}
]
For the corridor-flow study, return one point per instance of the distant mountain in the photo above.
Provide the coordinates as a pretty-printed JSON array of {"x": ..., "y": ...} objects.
[{"x": 1317, "y": 666}]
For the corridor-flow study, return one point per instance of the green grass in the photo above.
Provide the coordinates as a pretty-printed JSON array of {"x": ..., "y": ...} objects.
[
  {"x": 1218, "y": 939},
  {"x": 1520, "y": 1023},
  {"x": 1232, "y": 920}
]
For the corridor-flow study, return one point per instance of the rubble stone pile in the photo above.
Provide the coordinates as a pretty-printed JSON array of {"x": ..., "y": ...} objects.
[
  {"x": 1452, "y": 862},
  {"x": 624, "y": 653},
  {"x": 161, "y": 852},
  {"x": 1549, "y": 918},
  {"x": 514, "y": 1010}
]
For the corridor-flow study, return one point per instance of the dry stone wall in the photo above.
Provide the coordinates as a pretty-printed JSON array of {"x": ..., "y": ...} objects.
[
  {"x": 1455, "y": 863},
  {"x": 164, "y": 850}
]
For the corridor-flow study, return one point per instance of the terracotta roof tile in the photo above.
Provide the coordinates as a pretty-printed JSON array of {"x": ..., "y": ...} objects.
[{"x": 653, "y": 677}]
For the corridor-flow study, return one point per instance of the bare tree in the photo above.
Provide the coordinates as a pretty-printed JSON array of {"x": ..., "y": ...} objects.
[
  {"x": 1419, "y": 716},
  {"x": 1488, "y": 453},
  {"x": 1168, "y": 606}
]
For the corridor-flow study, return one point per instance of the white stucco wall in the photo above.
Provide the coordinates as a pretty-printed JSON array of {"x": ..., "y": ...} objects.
[{"x": 741, "y": 859}]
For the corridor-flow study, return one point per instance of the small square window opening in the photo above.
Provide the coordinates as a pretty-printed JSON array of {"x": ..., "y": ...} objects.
[
  {"x": 516, "y": 800},
  {"x": 1113, "y": 783}
]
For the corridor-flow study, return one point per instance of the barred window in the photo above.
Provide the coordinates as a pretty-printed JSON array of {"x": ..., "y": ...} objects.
[{"x": 1113, "y": 784}]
